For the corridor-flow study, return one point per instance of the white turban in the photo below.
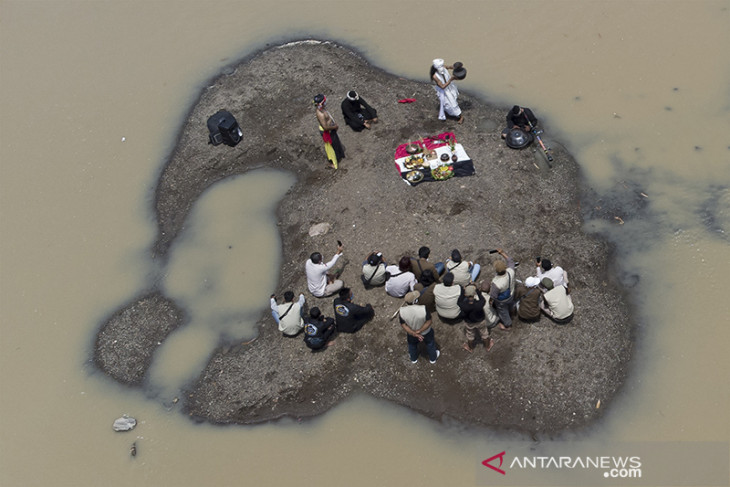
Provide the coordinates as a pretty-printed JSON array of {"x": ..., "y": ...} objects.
[
  {"x": 438, "y": 63},
  {"x": 532, "y": 281}
]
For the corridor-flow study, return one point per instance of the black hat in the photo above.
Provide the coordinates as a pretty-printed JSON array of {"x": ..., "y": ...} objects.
[
  {"x": 319, "y": 98},
  {"x": 374, "y": 259}
]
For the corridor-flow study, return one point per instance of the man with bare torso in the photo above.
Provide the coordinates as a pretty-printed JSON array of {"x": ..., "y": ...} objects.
[{"x": 328, "y": 129}]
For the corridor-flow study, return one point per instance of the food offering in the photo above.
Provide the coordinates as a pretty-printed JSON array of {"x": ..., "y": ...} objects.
[
  {"x": 415, "y": 161},
  {"x": 442, "y": 172},
  {"x": 432, "y": 158},
  {"x": 414, "y": 177}
]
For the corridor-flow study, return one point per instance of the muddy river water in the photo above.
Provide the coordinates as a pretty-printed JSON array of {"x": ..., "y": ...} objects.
[{"x": 92, "y": 97}]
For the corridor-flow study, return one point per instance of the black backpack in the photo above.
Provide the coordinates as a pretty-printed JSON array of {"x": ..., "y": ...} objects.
[{"x": 224, "y": 128}]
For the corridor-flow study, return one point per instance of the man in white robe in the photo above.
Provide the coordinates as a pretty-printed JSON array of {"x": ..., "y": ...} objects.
[{"x": 446, "y": 90}]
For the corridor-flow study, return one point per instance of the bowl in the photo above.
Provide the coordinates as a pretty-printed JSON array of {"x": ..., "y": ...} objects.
[
  {"x": 445, "y": 157},
  {"x": 414, "y": 176}
]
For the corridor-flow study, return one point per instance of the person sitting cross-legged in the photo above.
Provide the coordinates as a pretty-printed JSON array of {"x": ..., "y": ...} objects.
[
  {"x": 318, "y": 330},
  {"x": 289, "y": 314},
  {"x": 350, "y": 317},
  {"x": 357, "y": 113},
  {"x": 446, "y": 295},
  {"x": 556, "y": 302}
]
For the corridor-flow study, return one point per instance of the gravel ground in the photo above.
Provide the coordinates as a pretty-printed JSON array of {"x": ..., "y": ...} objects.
[{"x": 539, "y": 378}]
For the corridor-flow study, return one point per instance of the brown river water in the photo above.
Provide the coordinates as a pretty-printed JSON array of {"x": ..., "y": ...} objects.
[{"x": 93, "y": 95}]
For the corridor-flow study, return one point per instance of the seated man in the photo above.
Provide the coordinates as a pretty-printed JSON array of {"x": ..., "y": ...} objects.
[
  {"x": 289, "y": 314},
  {"x": 520, "y": 118},
  {"x": 421, "y": 264},
  {"x": 556, "y": 273},
  {"x": 320, "y": 281},
  {"x": 318, "y": 330},
  {"x": 446, "y": 296},
  {"x": 556, "y": 302},
  {"x": 527, "y": 300},
  {"x": 425, "y": 287},
  {"x": 349, "y": 317},
  {"x": 401, "y": 278},
  {"x": 358, "y": 114},
  {"x": 502, "y": 290},
  {"x": 373, "y": 270},
  {"x": 464, "y": 272}
]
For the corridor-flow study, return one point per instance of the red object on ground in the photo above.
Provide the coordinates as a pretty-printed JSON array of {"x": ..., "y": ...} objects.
[
  {"x": 407, "y": 100},
  {"x": 431, "y": 142}
]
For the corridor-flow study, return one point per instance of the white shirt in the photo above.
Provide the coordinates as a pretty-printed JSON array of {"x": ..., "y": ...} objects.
[
  {"x": 556, "y": 273},
  {"x": 292, "y": 321},
  {"x": 317, "y": 275},
  {"x": 398, "y": 285}
]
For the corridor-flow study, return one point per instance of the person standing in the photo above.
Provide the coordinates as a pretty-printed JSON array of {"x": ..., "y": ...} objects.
[
  {"x": 320, "y": 282},
  {"x": 350, "y": 317},
  {"x": 328, "y": 128},
  {"x": 446, "y": 90},
  {"x": 288, "y": 315},
  {"x": 416, "y": 322},
  {"x": 471, "y": 303}
]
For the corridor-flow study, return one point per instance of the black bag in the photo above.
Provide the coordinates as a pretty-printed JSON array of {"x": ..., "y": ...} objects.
[
  {"x": 224, "y": 128},
  {"x": 506, "y": 293},
  {"x": 388, "y": 275}
]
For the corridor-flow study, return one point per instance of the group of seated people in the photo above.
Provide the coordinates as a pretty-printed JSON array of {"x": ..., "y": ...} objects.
[{"x": 449, "y": 289}]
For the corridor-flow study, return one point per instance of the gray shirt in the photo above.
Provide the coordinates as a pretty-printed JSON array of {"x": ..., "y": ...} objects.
[{"x": 415, "y": 316}]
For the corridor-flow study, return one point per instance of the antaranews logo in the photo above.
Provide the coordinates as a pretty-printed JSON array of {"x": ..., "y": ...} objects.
[
  {"x": 611, "y": 466},
  {"x": 487, "y": 463}
]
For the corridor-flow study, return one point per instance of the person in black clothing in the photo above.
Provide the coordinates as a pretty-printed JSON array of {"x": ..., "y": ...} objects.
[
  {"x": 358, "y": 114},
  {"x": 349, "y": 316},
  {"x": 318, "y": 330},
  {"x": 472, "y": 303},
  {"x": 520, "y": 118}
]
